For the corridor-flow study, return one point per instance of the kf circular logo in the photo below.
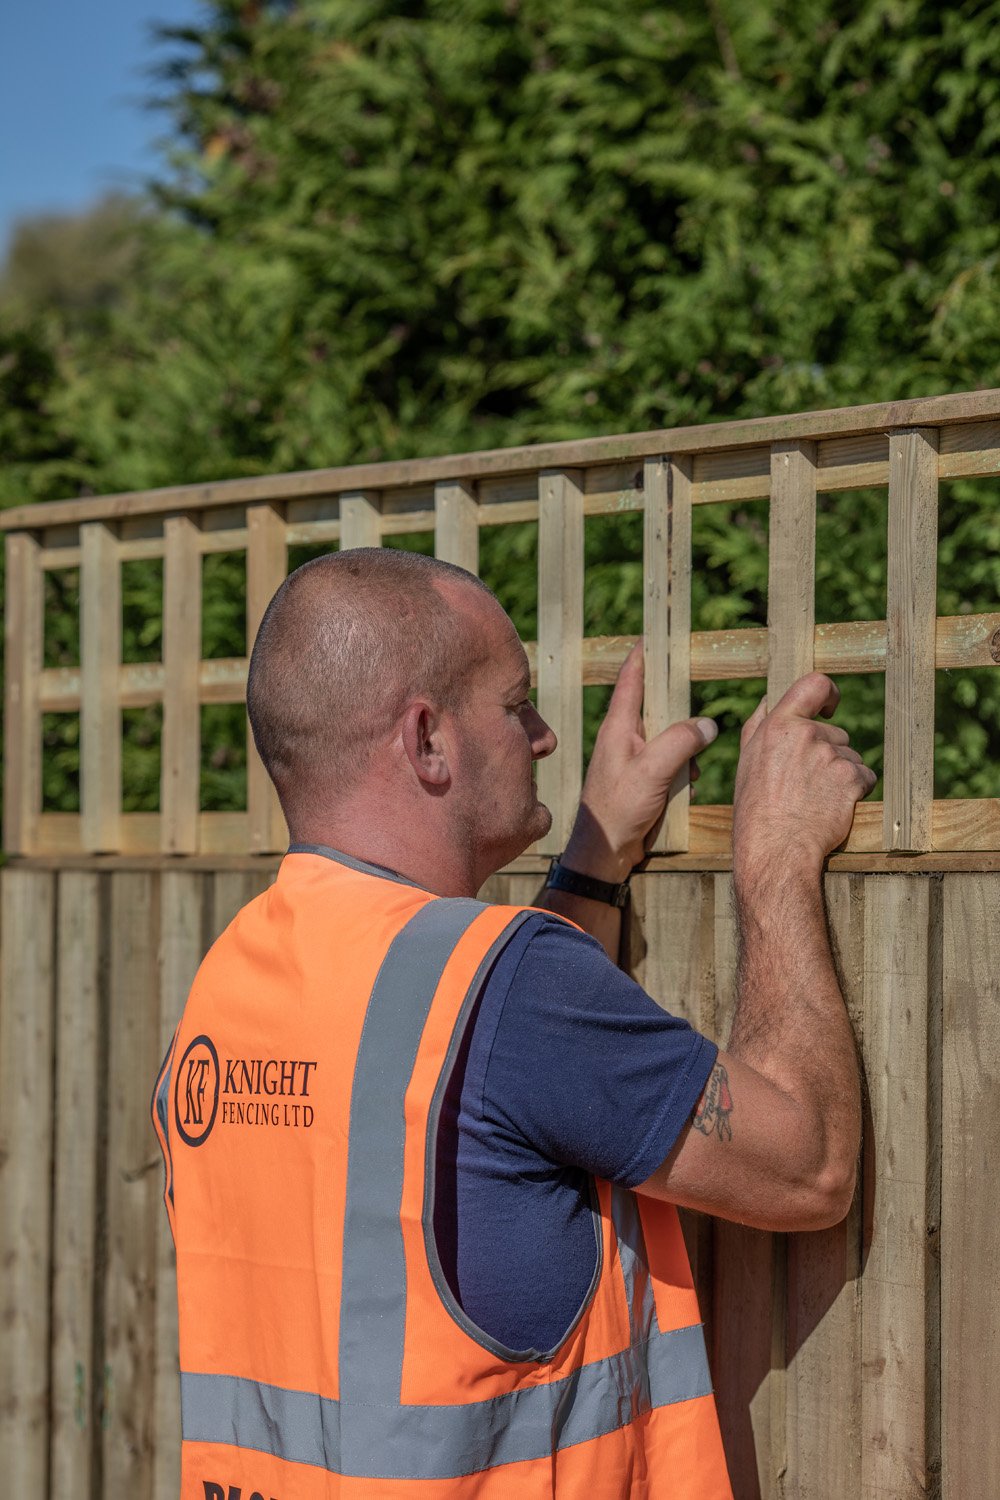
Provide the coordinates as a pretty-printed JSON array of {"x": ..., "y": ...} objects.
[{"x": 196, "y": 1091}]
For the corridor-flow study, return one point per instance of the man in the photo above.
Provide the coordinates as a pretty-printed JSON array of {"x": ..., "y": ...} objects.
[{"x": 422, "y": 1154}]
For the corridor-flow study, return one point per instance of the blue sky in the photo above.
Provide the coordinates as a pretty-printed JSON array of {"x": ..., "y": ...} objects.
[{"x": 72, "y": 121}]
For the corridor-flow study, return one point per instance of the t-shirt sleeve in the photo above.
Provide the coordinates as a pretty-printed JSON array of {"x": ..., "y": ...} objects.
[{"x": 579, "y": 1062}]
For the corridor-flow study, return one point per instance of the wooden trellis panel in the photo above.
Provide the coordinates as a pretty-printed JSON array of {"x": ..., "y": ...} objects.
[{"x": 908, "y": 447}]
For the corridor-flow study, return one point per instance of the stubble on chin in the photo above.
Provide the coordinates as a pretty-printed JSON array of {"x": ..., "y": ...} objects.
[
  {"x": 534, "y": 826},
  {"x": 543, "y": 822}
]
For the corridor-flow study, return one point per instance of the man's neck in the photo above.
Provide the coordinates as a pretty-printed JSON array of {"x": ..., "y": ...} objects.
[{"x": 429, "y": 863}]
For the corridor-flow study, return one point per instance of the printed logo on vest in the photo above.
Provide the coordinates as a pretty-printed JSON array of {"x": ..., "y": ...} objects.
[
  {"x": 196, "y": 1091},
  {"x": 215, "y": 1491},
  {"x": 268, "y": 1091}
]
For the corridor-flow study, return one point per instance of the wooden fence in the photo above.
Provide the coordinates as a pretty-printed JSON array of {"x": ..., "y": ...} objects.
[{"x": 860, "y": 1362}]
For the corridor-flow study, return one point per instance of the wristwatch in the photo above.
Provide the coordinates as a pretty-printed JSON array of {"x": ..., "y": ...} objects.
[{"x": 560, "y": 878}]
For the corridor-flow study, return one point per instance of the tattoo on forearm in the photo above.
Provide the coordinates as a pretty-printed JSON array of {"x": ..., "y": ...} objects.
[{"x": 712, "y": 1117}]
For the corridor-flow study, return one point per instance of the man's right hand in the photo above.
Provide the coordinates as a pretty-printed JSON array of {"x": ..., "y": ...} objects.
[
  {"x": 798, "y": 780},
  {"x": 774, "y": 1139}
]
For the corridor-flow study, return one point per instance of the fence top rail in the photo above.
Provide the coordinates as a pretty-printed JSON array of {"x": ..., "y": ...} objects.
[{"x": 711, "y": 437}]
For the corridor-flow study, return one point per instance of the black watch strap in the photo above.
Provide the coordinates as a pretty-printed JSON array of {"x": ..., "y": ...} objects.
[{"x": 560, "y": 878}]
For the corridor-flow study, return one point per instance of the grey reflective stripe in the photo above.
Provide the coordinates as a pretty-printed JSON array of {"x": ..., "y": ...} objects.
[
  {"x": 634, "y": 1263},
  {"x": 444, "y": 1291},
  {"x": 445, "y": 1442},
  {"x": 382, "y": 872},
  {"x": 161, "y": 1103},
  {"x": 373, "y": 1285}
]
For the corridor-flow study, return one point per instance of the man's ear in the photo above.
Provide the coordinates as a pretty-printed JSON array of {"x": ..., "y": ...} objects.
[{"x": 424, "y": 746}]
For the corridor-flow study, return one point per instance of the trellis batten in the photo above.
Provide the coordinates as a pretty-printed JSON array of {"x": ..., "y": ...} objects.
[
  {"x": 560, "y": 636},
  {"x": 267, "y": 564}
]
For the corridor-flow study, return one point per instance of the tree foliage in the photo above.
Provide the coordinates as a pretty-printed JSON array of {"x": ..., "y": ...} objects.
[{"x": 387, "y": 229}]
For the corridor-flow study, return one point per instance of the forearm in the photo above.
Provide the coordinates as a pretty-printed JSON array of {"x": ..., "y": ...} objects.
[
  {"x": 589, "y": 853},
  {"x": 791, "y": 1023},
  {"x": 602, "y": 921}
]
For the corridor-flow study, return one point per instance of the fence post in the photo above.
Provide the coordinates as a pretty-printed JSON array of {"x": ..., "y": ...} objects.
[
  {"x": 267, "y": 565},
  {"x": 667, "y": 623},
  {"x": 456, "y": 525},
  {"x": 791, "y": 580},
  {"x": 100, "y": 714},
  {"x": 22, "y": 740},
  {"x": 360, "y": 520},
  {"x": 180, "y": 769},
  {"x": 560, "y": 647},
  {"x": 911, "y": 625}
]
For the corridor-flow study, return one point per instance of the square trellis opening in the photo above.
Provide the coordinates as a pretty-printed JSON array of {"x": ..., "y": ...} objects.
[
  {"x": 596, "y": 698},
  {"x": 852, "y": 554},
  {"x": 729, "y": 562},
  {"x": 303, "y": 552},
  {"x": 730, "y": 703},
  {"x": 612, "y": 578},
  {"x": 142, "y": 610},
  {"x": 223, "y": 605},
  {"x": 411, "y": 541},
  {"x": 223, "y": 769},
  {"x": 61, "y": 627},
  {"x": 60, "y": 748},
  {"x": 142, "y": 732},
  {"x": 967, "y": 732},
  {"x": 499, "y": 547}
]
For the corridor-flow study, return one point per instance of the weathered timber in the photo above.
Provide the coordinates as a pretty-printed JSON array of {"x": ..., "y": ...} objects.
[
  {"x": 932, "y": 411},
  {"x": 26, "y": 1143},
  {"x": 560, "y": 633}
]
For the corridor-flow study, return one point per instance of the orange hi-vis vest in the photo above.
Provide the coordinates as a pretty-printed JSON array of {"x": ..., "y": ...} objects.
[{"x": 323, "y": 1354}]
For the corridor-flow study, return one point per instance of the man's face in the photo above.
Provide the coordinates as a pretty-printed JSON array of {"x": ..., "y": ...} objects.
[{"x": 499, "y": 734}]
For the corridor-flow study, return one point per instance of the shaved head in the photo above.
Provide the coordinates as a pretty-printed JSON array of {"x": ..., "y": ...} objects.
[{"x": 347, "y": 641}]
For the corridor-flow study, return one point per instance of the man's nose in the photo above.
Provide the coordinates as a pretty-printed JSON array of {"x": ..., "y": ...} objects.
[{"x": 542, "y": 737}]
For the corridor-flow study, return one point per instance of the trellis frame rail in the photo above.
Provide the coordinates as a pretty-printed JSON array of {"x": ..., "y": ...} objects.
[{"x": 907, "y": 446}]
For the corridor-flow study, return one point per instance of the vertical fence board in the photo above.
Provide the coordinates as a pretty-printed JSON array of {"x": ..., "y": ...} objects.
[
  {"x": 360, "y": 520},
  {"x": 560, "y": 647},
  {"x": 230, "y": 891},
  {"x": 22, "y": 790},
  {"x": 744, "y": 1293},
  {"x": 897, "y": 1343},
  {"x": 180, "y": 752},
  {"x": 100, "y": 714},
  {"x": 181, "y": 948},
  {"x": 791, "y": 617},
  {"x": 911, "y": 610},
  {"x": 456, "y": 525},
  {"x": 134, "y": 1187},
  {"x": 823, "y": 1388},
  {"x": 676, "y": 967},
  {"x": 667, "y": 621},
  {"x": 970, "y": 1240},
  {"x": 267, "y": 564},
  {"x": 26, "y": 1107},
  {"x": 80, "y": 1094},
  {"x": 791, "y": 581}
]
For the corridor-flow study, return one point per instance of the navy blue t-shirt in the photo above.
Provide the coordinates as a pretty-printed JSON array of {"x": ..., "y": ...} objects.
[{"x": 568, "y": 1071}]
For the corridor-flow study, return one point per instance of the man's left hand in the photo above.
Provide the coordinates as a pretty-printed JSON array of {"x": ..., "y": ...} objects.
[{"x": 628, "y": 781}]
